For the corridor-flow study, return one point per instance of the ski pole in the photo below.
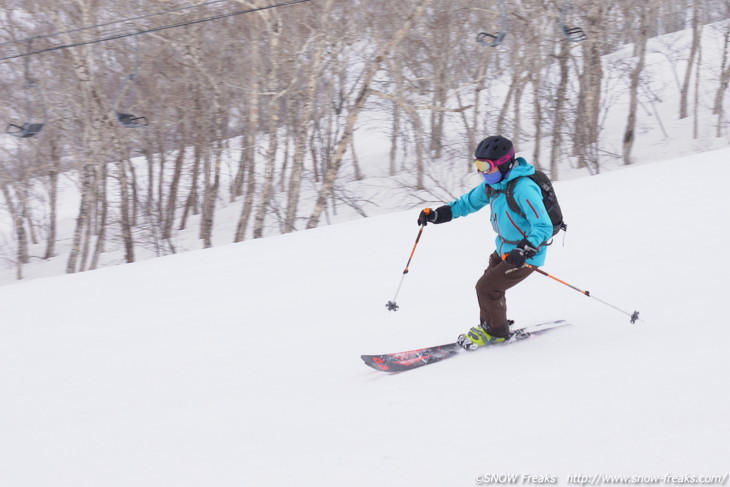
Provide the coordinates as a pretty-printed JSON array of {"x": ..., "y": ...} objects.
[
  {"x": 633, "y": 316},
  {"x": 390, "y": 305}
]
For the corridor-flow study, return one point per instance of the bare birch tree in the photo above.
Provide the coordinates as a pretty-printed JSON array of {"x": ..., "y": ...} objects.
[
  {"x": 372, "y": 68},
  {"x": 292, "y": 84},
  {"x": 693, "y": 53},
  {"x": 640, "y": 11}
]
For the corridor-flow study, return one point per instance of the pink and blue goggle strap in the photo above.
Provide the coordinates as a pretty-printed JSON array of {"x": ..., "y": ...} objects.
[{"x": 488, "y": 165}]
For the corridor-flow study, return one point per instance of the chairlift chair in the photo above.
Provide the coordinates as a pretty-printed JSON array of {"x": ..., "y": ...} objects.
[
  {"x": 573, "y": 34},
  {"x": 493, "y": 40},
  {"x": 34, "y": 104},
  {"x": 130, "y": 121},
  {"x": 482, "y": 38},
  {"x": 125, "y": 118},
  {"x": 26, "y": 130}
]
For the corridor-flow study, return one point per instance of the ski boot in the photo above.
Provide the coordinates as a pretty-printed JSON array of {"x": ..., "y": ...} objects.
[{"x": 479, "y": 336}]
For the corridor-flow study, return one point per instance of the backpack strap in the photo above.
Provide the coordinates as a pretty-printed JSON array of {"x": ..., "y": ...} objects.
[
  {"x": 515, "y": 207},
  {"x": 491, "y": 192},
  {"x": 511, "y": 202},
  {"x": 510, "y": 195}
]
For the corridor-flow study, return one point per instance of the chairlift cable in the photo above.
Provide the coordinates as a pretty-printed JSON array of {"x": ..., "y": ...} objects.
[
  {"x": 121, "y": 21},
  {"x": 154, "y": 29}
]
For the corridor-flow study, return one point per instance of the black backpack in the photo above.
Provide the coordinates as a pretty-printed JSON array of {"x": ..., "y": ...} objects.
[{"x": 549, "y": 199}]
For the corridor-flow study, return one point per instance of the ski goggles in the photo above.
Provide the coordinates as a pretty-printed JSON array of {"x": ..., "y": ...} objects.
[{"x": 488, "y": 165}]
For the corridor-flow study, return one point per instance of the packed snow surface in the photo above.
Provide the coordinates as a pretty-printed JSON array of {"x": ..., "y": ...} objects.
[{"x": 240, "y": 365}]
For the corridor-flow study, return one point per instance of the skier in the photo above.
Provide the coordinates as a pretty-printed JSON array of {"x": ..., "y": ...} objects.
[{"x": 521, "y": 239}]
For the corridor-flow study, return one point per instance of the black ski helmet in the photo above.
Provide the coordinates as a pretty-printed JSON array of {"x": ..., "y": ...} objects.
[{"x": 493, "y": 148}]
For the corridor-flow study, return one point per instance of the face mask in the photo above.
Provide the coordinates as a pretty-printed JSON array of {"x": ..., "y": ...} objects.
[{"x": 493, "y": 178}]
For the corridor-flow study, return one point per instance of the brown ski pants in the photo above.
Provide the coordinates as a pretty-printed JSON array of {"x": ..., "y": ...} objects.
[{"x": 498, "y": 277}]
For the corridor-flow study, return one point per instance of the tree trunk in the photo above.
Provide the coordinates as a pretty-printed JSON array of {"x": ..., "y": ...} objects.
[
  {"x": 698, "y": 76},
  {"x": 53, "y": 200},
  {"x": 696, "y": 38},
  {"x": 18, "y": 213},
  {"x": 640, "y": 50},
  {"x": 274, "y": 31},
  {"x": 84, "y": 224},
  {"x": 169, "y": 216},
  {"x": 517, "y": 130},
  {"x": 418, "y": 134},
  {"x": 247, "y": 207},
  {"x": 101, "y": 227},
  {"x": 344, "y": 141},
  {"x": 191, "y": 202},
  {"x": 717, "y": 107},
  {"x": 247, "y": 161},
  {"x": 536, "y": 82},
  {"x": 587, "y": 121},
  {"x": 394, "y": 136},
  {"x": 560, "y": 99},
  {"x": 302, "y": 128},
  {"x": 396, "y": 71},
  {"x": 479, "y": 86},
  {"x": 125, "y": 204}
]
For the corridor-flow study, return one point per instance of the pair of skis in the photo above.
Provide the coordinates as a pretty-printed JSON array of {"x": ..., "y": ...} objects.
[{"x": 402, "y": 361}]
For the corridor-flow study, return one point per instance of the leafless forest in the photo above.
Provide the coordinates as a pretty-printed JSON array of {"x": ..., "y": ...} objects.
[{"x": 184, "y": 84}]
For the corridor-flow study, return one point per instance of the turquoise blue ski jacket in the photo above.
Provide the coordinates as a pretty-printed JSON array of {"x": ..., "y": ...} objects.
[{"x": 510, "y": 227}]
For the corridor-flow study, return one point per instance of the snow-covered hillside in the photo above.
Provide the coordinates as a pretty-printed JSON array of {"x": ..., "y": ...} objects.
[
  {"x": 239, "y": 365},
  {"x": 660, "y": 135}
]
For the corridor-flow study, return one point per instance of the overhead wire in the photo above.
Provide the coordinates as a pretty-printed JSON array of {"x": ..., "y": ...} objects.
[
  {"x": 113, "y": 22},
  {"x": 146, "y": 31}
]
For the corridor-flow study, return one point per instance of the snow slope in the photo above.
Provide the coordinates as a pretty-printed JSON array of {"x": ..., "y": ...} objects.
[{"x": 239, "y": 365}]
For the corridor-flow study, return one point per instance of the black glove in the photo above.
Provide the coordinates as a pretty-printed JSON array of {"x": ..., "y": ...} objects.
[
  {"x": 518, "y": 255},
  {"x": 441, "y": 214}
]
